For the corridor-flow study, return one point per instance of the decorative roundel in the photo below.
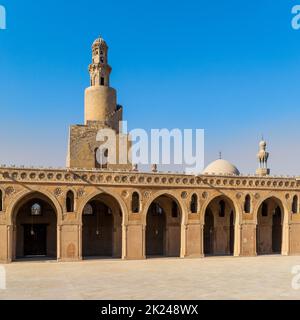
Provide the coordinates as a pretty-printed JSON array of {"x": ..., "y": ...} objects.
[
  {"x": 184, "y": 195},
  {"x": 9, "y": 190},
  {"x": 238, "y": 195},
  {"x": 204, "y": 195},
  {"x": 125, "y": 194}
]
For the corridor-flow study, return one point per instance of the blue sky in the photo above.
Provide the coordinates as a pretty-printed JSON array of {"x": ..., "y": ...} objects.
[{"x": 230, "y": 67}]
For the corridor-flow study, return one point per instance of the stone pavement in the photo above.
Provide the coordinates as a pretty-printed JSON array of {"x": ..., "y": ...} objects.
[{"x": 264, "y": 277}]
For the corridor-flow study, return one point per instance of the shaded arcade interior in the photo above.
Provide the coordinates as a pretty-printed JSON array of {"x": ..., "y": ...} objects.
[
  {"x": 35, "y": 228},
  {"x": 102, "y": 228},
  {"x": 163, "y": 228},
  {"x": 269, "y": 227},
  {"x": 219, "y": 227}
]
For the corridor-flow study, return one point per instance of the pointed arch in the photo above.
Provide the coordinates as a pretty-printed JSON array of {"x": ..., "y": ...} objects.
[
  {"x": 270, "y": 231},
  {"x": 35, "y": 218},
  {"x": 194, "y": 203},
  {"x": 247, "y": 204},
  {"x": 70, "y": 201},
  {"x": 295, "y": 205},
  {"x": 164, "y": 218},
  {"x": 135, "y": 203},
  {"x": 220, "y": 218}
]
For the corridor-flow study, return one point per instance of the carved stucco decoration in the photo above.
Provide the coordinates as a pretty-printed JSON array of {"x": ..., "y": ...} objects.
[
  {"x": 205, "y": 195},
  {"x": 147, "y": 194},
  {"x": 10, "y": 191},
  {"x": 184, "y": 195},
  {"x": 80, "y": 193},
  {"x": 58, "y": 192}
]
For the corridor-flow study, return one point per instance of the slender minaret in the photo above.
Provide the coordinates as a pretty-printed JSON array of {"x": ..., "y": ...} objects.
[
  {"x": 263, "y": 157},
  {"x": 100, "y": 98},
  {"x": 100, "y": 112}
]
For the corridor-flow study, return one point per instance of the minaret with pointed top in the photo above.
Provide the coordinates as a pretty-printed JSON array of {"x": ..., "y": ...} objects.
[{"x": 263, "y": 157}]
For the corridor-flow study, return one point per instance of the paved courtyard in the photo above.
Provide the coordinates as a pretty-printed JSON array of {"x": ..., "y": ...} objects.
[{"x": 266, "y": 277}]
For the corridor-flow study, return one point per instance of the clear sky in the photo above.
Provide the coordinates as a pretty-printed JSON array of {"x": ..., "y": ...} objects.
[{"x": 231, "y": 67}]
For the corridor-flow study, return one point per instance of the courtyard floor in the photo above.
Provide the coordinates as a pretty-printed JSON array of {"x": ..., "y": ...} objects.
[{"x": 264, "y": 277}]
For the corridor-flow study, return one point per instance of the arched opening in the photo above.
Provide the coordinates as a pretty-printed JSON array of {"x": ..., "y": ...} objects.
[
  {"x": 102, "y": 228},
  {"x": 219, "y": 227},
  {"x": 247, "y": 205},
  {"x": 208, "y": 233},
  {"x": 295, "y": 205},
  {"x": 163, "y": 229},
  {"x": 135, "y": 203},
  {"x": 35, "y": 232},
  {"x": 269, "y": 227},
  {"x": 194, "y": 204},
  {"x": 70, "y": 201}
]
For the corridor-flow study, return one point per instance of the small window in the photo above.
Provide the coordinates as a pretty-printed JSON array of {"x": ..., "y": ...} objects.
[
  {"x": 194, "y": 203},
  {"x": 295, "y": 205},
  {"x": 102, "y": 81},
  {"x": 264, "y": 209},
  {"x": 174, "y": 210},
  {"x": 247, "y": 205},
  {"x": 1, "y": 200},
  {"x": 88, "y": 210},
  {"x": 222, "y": 208},
  {"x": 36, "y": 210},
  {"x": 70, "y": 201},
  {"x": 135, "y": 203}
]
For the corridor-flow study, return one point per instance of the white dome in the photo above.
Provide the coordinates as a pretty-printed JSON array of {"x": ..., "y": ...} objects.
[{"x": 221, "y": 167}]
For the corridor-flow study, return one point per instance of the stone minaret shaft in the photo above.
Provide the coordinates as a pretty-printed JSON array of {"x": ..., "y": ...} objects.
[{"x": 100, "y": 99}]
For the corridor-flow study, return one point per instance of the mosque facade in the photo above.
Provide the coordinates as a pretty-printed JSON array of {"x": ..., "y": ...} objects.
[{"x": 94, "y": 208}]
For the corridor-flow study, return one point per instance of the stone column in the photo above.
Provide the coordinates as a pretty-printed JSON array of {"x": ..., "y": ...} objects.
[
  {"x": 6, "y": 248},
  {"x": 134, "y": 236},
  {"x": 70, "y": 242},
  {"x": 248, "y": 239},
  {"x": 194, "y": 239},
  {"x": 286, "y": 235}
]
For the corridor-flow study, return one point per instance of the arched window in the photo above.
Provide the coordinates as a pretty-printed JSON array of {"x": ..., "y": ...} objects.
[
  {"x": 295, "y": 205},
  {"x": 135, "y": 203},
  {"x": 247, "y": 205},
  {"x": 36, "y": 210},
  {"x": 70, "y": 201},
  {"x": 264, "y": 209},
  {"x": 88, "y": 210},
  {"x": 222, "y": 208},
  {"x": 1, "y": 201},
  {"x": 174, "y": 209},
  {"x": 194, "y": 204}
]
